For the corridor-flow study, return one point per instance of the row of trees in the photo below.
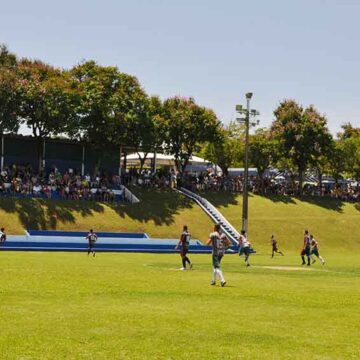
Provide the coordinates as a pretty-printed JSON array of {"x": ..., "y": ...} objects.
[
  {"x": 99, "y": 105},
  {"x": 107, "y": 108},
  {"x": 297, "y": 141}
]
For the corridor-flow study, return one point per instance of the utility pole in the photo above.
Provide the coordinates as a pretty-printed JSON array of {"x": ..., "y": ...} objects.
[{"x": 248, "y": 120}]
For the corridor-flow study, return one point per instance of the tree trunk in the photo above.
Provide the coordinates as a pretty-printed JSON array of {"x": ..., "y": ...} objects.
[
  {"x": 261, "y": 176},
  {"x": 320, "y": 181},
  {"x": 39, "y": 144},
  {"x": 97, "y": 165},
  {"x": 301, "y": 180},
  {"x": 142, "y": 160}
]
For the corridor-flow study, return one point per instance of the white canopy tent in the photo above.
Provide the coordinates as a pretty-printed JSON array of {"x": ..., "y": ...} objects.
[{"x": 164, "y": 160}]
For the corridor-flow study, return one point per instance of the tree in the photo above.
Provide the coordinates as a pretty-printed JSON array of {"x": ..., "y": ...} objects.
[
  {"x": 7, "y": 59},
  {"x": 145, "y": 130},
  {"x": 336, "y": 160},
  {"x": 227, "y": 149},
  {"x": 348, "y": 131},
  {"x": 111, "y": 102},
  {"x": 47, "y": 100},
  {"x": 351, "y": 148},
  {"x": 348, "y": 151},
  {"x": 301, "y": 133},
  {"x": 9, "y": 92},
  {"x": 263, "y": 151},
  {"x": 187, "y": 125}
]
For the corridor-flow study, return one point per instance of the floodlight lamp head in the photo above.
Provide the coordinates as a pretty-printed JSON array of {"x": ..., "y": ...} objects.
[
  {"x": 238, "y": 108},
  {"x": 249, "y": 95}
]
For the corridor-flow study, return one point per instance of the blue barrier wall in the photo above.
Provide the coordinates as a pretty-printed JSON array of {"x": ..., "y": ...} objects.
[{"x": 84, "y": 234}]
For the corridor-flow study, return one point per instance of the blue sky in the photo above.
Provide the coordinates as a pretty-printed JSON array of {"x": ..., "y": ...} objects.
[{"x": 215, "y": 51}]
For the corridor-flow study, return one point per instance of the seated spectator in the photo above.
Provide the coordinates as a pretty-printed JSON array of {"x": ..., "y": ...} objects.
[{"x": 37, "y": 190}]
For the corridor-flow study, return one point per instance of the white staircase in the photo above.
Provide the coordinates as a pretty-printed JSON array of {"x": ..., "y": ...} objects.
[{"x": 213, "y": 213}]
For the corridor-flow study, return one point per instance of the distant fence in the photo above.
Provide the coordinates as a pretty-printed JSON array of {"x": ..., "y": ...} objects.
[{"x": 83, "y": 158}]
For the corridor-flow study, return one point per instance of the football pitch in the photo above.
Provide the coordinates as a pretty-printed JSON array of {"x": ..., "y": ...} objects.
[{"x": 140, "y": 306}]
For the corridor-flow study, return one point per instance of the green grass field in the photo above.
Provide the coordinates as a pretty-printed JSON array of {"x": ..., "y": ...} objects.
[{"x": 139, "y": 306}]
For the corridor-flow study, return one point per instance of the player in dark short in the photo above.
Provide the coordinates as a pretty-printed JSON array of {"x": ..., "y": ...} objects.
[
  {"x": 315, "y": 250},
  {"x": 306, "y": 250},
  {"x": 244, "y": 247},
  {"x": 184, "y": 243},
  {"x": 2, "y": 236},
  {"x": 275, "y": 248},
  {"x": 91, "y": 238}
]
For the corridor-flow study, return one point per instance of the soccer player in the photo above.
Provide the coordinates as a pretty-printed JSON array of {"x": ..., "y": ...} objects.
[
  {"x": 2, "y": 236},
  {"x": 91, "y": 238},
  {"x": 315, "y": 250},
  {"x": 184, "y": 242},
  {"x": 306, "y": 250},
  {"x": 244, "y": 247},
  {"x": 219, "y": 243},
  {"x": 275, "y": 248}
]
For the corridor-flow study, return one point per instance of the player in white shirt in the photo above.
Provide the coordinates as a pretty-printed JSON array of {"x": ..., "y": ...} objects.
[
  {"x": 2, "y": 236},
  {"x": 244, "y": 247},
  {"x": 219, "y": 243},
  {"x": 315, "y": 250}
]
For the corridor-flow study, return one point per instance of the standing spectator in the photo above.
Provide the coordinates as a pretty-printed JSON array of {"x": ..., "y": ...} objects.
[{"x": 2, "y": 236}]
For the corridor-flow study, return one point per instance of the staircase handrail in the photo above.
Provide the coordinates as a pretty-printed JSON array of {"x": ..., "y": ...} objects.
[{"x": 203, "y": 203}]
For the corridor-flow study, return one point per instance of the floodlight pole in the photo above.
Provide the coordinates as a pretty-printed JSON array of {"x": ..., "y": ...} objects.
[
  {"x": 246, "y": 120},
  {"x": 246, "y": 170}
]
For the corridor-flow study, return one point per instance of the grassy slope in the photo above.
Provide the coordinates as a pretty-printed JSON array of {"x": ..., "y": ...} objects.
[
  {"x": 134, "y": 306},
  {"x": 334, "y": 224},
  {"x": 160, "y": 214}
]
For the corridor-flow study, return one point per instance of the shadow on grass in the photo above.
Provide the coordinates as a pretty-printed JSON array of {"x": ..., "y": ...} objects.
[
  {"x": 280, "y": 198},
  {"x": 224, "y": 199},
  {"x": 357, "y": 206},
  {"x": 325, "y": 202},
  {"x": 160, "y": 206},
  {"x": 221, "y": 198},
  {"x": 42, "y": 214}
]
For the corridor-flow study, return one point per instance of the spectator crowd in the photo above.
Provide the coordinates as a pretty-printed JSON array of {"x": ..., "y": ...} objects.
[
  {"x": 270, "y": 185},
  {"x": 24, "y": 181}
]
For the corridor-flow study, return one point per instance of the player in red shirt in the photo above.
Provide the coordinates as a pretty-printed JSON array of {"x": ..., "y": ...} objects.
[
  {"x": 91, "y": 238},
  {"x": 306, "y": 250},
  {"x": 275, "y": 248},
  {"x": 184, "y": 242}
]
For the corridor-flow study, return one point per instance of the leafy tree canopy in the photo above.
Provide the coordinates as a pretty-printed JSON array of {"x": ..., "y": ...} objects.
[
  {"x": 187, "y": 125},
  {"x": 302, "y": 133}
]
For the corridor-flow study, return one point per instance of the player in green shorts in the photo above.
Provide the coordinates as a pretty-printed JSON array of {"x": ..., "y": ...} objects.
[
  {"x": 315, "y": 250},
  {"x": 219, "y": 243}
]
